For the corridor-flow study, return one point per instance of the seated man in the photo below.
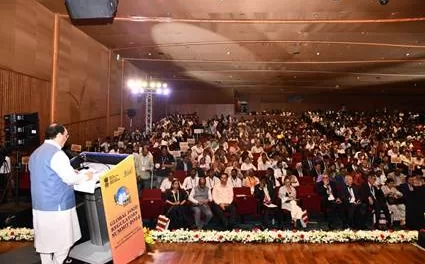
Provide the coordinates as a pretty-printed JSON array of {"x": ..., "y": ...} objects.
[
  {"x": 211, "y": 179},
  {"x": 190, "y": 181},
  {"x": 235, "y": 181},
  {"x": 351, "y": 205},
  {"x": 166, "y": 183},
  {"x": 200, "y": 196},
  {"x": 373, "y": 198},
  {"x": 331, "y": 201},
  {"x": 223, "y": 202}
]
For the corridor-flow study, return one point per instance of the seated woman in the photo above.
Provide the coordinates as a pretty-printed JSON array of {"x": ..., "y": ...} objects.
[
  {"x": 266, "y": 208},
  {"x": 288, "y": 196},
  {"x": 175, "y": 199},
  {"x": 250, "y": 180},
  {"x": 395, "y": 201}
]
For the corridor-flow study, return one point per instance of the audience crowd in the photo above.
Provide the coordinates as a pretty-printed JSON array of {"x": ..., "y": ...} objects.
[{"x": 356, "y": 169}]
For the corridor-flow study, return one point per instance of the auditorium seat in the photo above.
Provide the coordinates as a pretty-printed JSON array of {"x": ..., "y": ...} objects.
[
  {"x": 151, "y": 203},
  {"x": 305, "y": 190},
  {"x": 260, "y": 174},
  {"x": 245, "y": 203},
  {"x": 180, "y": 175},
  {"x": 305, "y": 180},
  {"x": 311, "y": 203}
]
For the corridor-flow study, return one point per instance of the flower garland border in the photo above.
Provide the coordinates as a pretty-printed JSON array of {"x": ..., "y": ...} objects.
[
  {"x": 16, "y": 234},
  {"x": 254, "y": 236},
  {"x": 279, "y": 236}
]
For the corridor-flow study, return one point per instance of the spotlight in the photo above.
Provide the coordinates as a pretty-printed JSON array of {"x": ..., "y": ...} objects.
[
  {"x": 138, "y": 84},
  {"x": 141, "y": 90},
  {"x": 164, "y": 85},
  {"x": 152, "y": 85},
  {"x": 166, "y": 91},
  {"x": 131, "y": 84},
  {"x": 159, "y": 91},
  {"x": 383, "y": 2},
  {"x": 158, "y": 85},
  {"x": 144, "y": 84}
]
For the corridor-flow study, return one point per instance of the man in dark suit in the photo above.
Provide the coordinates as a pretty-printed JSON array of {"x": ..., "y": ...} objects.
[
  {"x": 331, "y": 202},
  {"x": 373, "y": 198},
  {"x": 300, "y": 171},
  {"x": 317, "y": 173},
  {"x": 184, "y": 164},
  {"x": 164, "y": 162},
  {"x": 351, "y": 205}
]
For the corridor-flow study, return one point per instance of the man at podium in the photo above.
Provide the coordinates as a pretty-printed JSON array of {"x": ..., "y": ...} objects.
[{"x": 56, "y": 225}]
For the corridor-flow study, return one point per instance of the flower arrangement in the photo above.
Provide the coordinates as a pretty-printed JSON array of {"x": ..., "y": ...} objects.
[
  {"x": 254, "y": 236},
  {"x": 278, "y": 236},
  {"x": 148, "y": 236},
  {"x": 16, "y": 234}
]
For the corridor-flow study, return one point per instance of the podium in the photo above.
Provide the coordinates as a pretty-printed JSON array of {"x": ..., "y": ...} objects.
[{"x": 97, "y": 250}]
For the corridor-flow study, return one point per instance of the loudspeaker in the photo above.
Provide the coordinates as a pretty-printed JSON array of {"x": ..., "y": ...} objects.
[
  {"x": 21, "y": 131},
  {"x": 91, "y": 9}
]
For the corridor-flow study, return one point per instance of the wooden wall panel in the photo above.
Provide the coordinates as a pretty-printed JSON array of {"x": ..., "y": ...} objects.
[
  {"x": 335, "y": 101},
  {"x": 115, "y": 90},
  {"x": 114, "y": 123},
  {"x": 84, "y": 130},
  {"x": 82, "y": 76},
  {"x": 205, "y": 111},
  {"x": 82, "y": 83},
  {"x": 26, "y": 33},
  {"x": 22, "y": 94}
]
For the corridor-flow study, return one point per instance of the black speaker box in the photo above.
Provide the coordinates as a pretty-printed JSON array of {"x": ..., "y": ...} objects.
[{"x": 91, "y": 9}]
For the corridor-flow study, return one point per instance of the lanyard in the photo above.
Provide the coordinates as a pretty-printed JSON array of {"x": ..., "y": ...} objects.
[{"x": 176, "y": 199}]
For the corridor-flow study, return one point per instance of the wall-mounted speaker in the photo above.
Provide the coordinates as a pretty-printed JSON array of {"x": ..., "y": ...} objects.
[{"x": 91, "y": 9}]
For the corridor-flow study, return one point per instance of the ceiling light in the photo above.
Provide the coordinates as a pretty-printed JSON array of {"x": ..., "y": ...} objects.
[
  {"x": 358, "y": 77},
  {"x": 228, "y": 53},
  {"x": 317, "y": 53},
  {"x": 149, "y": 54},
  {"x": 407, "y": 54}
]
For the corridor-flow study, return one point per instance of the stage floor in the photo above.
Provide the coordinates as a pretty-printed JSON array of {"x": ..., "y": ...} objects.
[{"x": 273, "y": 253}]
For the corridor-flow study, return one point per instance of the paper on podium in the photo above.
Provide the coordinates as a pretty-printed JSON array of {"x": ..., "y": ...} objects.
[{"x": 91, "y": 185}]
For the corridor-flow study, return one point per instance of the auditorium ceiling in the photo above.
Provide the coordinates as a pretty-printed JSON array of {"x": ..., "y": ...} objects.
[{"x": 271, "y": 46}]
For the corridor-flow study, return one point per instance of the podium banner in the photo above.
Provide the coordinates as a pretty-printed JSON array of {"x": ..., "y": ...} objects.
[{"x": 122, "y": 212}]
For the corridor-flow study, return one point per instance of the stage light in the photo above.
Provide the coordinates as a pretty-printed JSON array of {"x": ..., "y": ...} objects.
[
  {"x": 131, "y": 84},
  {"x": 159, "y": 91},
  {"x": 152, "y": 85},
  {"x": 134, "y": 91},
  {"x": 145, "y": 84},
  {"x": 383, "y": 2},
  {"x": 141, "y": 90},
  {"x": 158, "y": 85},
  {"x": 164, "y": 85},
  {"x": 166, "y": 91},
  {"x": 138, "y": 84}
]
